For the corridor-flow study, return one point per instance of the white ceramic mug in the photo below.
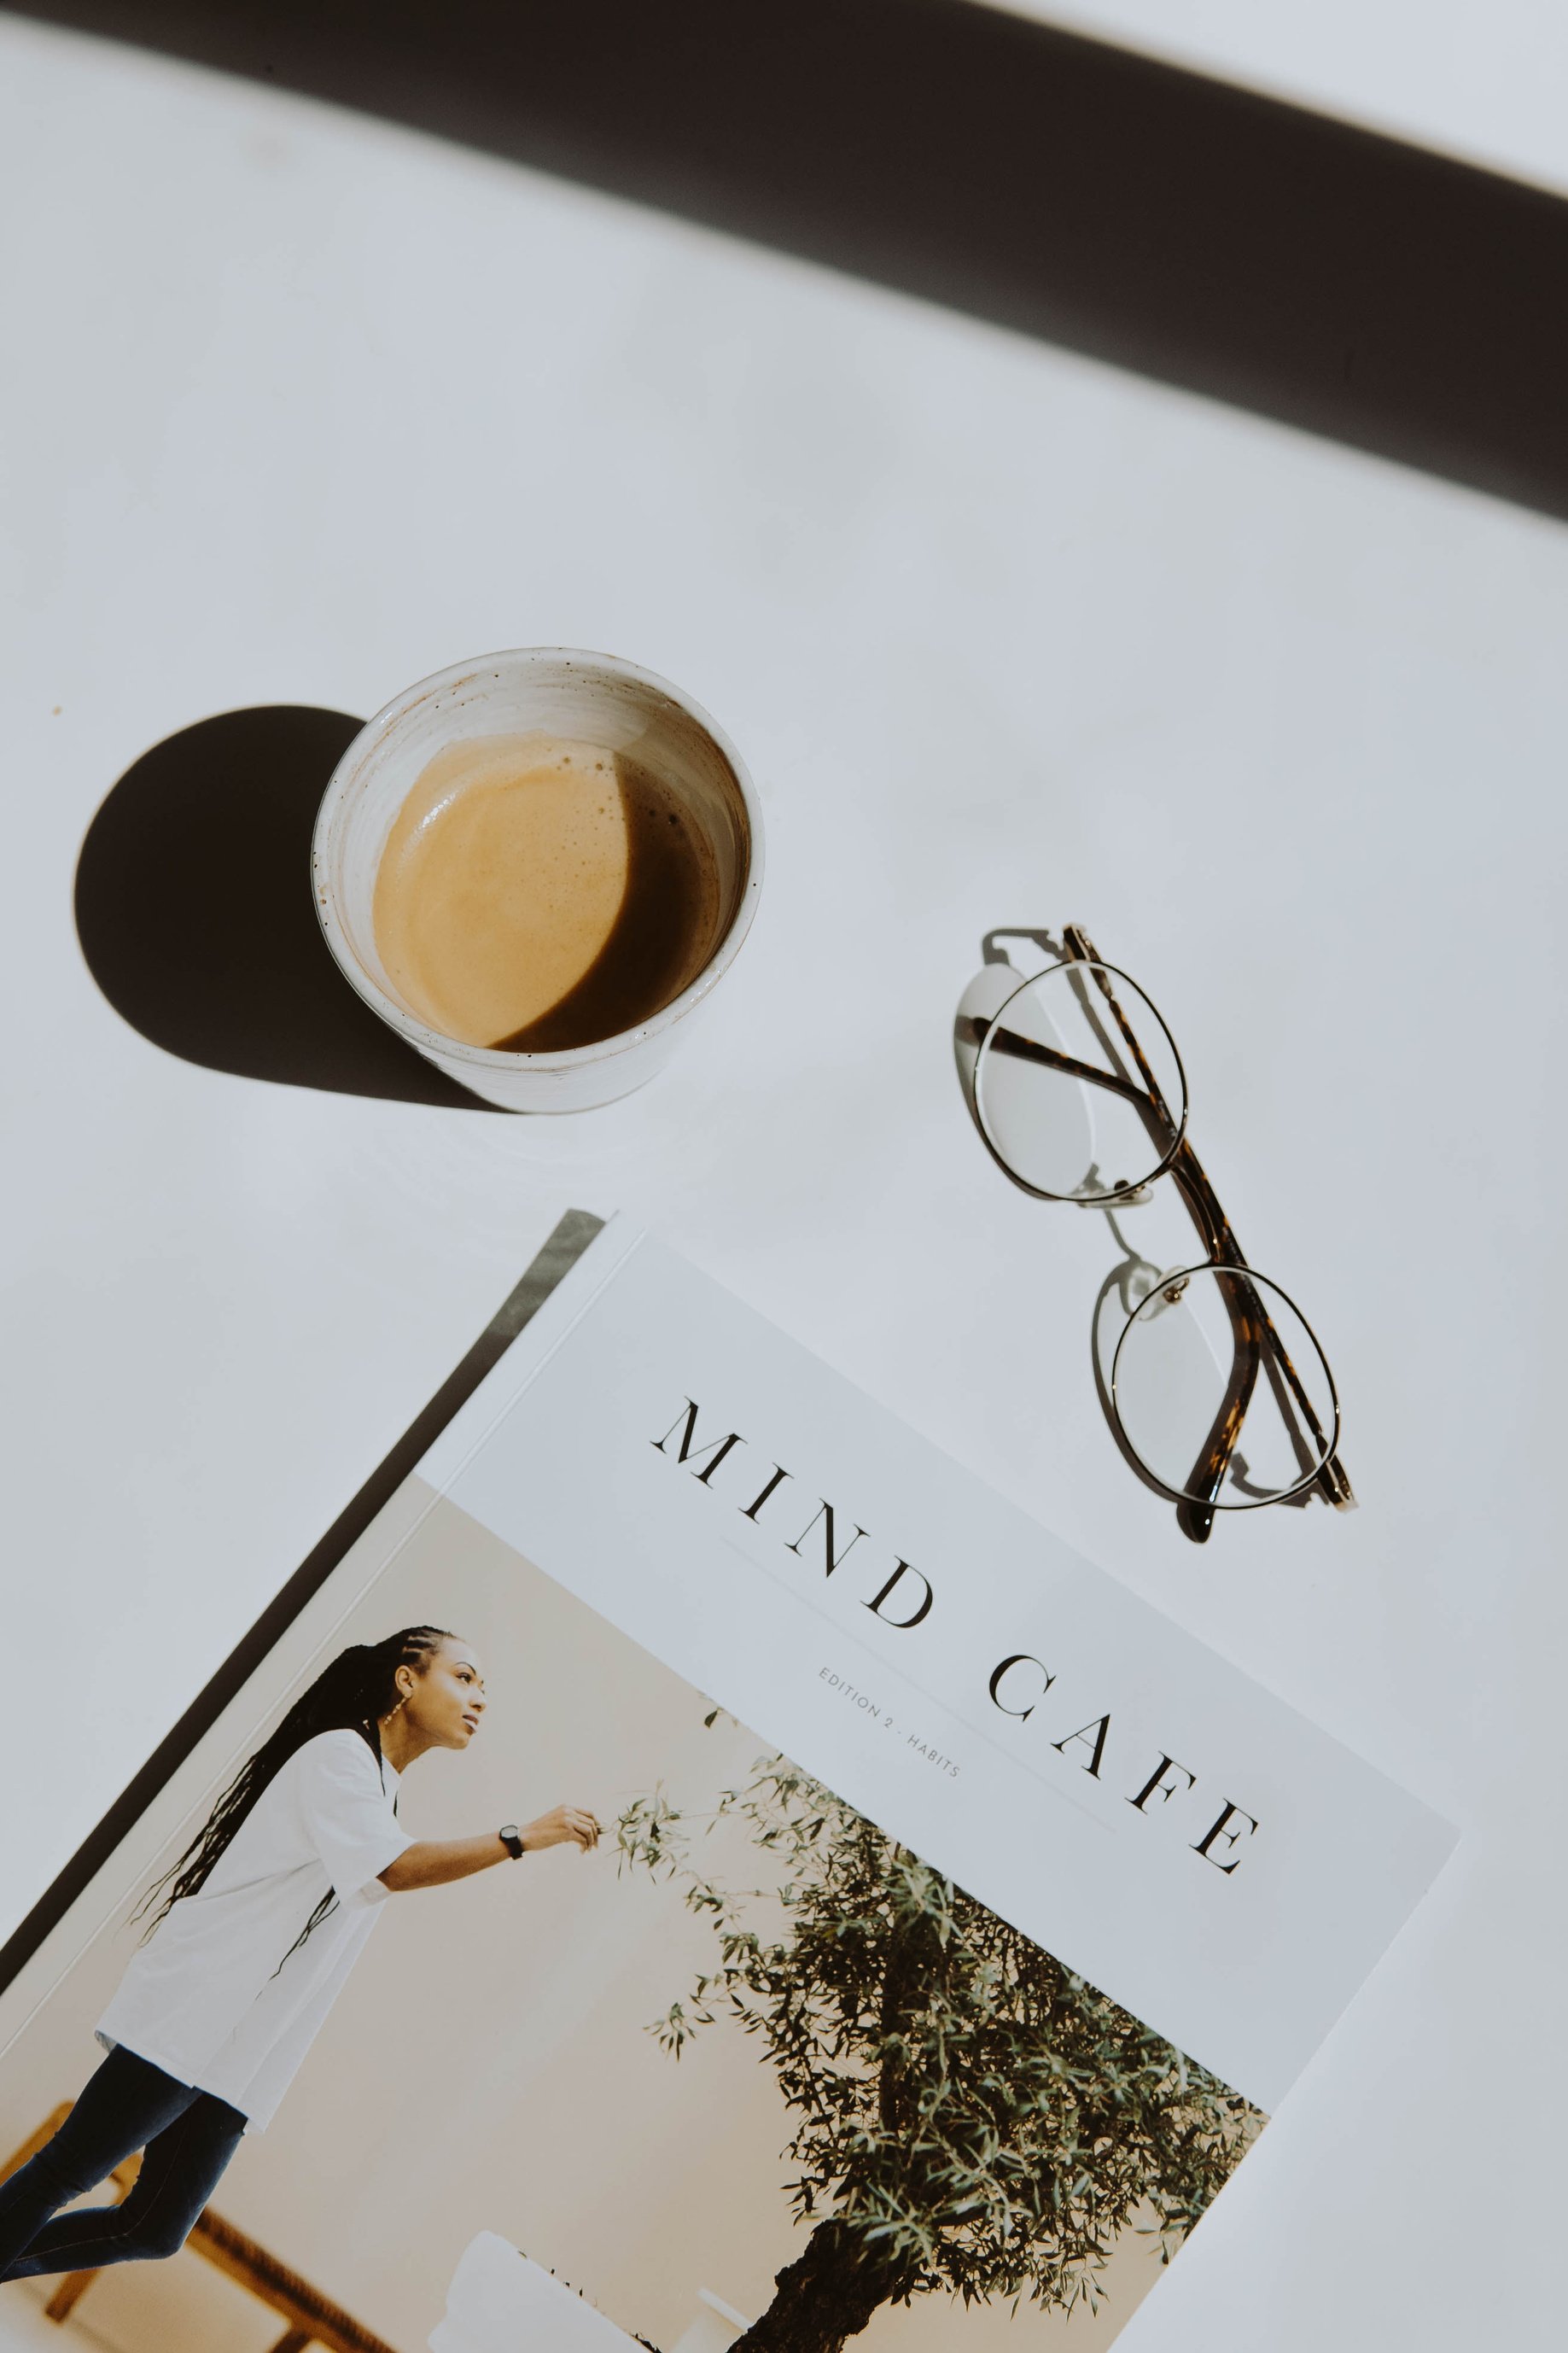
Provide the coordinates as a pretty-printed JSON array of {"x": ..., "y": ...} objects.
[{"x": 556, "y": 690}]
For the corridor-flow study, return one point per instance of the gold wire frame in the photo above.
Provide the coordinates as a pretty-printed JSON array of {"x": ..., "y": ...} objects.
[
  {"x": 1247, "y": 1278},
  {"x": 1258, "y": 1341},
  {"x": 1135, "y": 1187}
]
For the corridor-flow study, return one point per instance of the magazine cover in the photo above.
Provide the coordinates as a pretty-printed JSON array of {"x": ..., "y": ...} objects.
[{"x": 698, "y": 1871}]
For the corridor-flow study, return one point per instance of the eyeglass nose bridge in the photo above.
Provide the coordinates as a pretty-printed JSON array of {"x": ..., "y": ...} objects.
[{"x": 1134, "y": 1198}]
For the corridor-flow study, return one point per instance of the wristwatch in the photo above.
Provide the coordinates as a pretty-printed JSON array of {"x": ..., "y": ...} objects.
[{"x": 512, "y": 1839}]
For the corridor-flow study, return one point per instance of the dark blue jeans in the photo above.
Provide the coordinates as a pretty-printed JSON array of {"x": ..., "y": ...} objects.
[{"x": 189, "y": 2138}]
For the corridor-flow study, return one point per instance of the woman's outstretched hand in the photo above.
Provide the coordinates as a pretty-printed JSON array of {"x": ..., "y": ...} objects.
[
  {"x": 562, "y": 1826},
  {"x": 432, "y": 1862}
]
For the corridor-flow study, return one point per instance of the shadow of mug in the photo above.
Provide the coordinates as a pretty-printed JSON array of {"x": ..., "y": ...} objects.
[{"x": 195, "y": 914}]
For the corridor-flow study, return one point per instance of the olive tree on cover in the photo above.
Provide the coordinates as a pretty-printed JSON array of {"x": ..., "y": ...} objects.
[{"x": 971, "y": 2117}]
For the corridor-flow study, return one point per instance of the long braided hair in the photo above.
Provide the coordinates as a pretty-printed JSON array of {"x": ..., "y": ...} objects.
[{"x": 353, "y": 1693}]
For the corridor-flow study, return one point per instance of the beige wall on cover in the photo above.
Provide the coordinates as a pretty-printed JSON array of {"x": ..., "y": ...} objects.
[{"x": 487, "y": 2067}]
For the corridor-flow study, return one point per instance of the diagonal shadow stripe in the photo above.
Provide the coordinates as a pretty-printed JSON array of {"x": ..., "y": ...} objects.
[{"x": 1316, "y": 273}]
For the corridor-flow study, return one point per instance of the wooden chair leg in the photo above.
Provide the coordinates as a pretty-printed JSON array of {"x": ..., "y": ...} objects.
[
  {"x": 34, "y": 2141},
  {"x": 313, "y": 2319},
  {"x": 74, "y": 2285},
  {"x": 69, "y": 2294}
]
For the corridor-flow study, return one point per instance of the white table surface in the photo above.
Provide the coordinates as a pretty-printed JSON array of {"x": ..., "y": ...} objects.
[
  {"x": 1488, "y": 84},
  {"x": 298, "y": 407}
]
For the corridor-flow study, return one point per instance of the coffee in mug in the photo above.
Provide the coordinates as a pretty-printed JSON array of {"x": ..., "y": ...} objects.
[
  {"x": 536, "y": 866},
  {"x": 536, "y": 894}
]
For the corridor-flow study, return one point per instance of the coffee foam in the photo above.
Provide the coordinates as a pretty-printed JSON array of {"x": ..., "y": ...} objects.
[{"x": 536, "y": 894}]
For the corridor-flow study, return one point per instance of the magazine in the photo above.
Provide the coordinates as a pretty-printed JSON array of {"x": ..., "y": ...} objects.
[{"x": 696, "y": 1870}]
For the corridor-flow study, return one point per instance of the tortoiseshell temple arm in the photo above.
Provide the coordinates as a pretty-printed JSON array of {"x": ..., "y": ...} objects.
[{"x": 1254, "y": 1327}]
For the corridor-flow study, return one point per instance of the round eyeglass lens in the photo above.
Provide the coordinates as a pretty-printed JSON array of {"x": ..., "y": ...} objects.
[
  {"x": 1221, "y": 1390},
  {"x": 1078, "y": 1085}
]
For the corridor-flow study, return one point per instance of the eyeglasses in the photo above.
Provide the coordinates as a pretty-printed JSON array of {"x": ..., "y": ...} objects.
[{"x": 1077, "y": 1088}]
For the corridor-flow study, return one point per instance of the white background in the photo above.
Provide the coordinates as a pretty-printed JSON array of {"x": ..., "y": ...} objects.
[{"x": 298, "y": 407}]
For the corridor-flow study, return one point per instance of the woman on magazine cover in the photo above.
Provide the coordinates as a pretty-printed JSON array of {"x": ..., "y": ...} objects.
[{"x": 261, "y": 1920}]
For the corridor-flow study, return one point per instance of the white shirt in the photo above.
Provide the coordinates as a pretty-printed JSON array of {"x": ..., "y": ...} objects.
[{"x": 216, "y": 1997}]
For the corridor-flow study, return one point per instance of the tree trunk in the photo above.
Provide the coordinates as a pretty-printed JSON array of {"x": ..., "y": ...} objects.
[{"x": 827, "y": 2295}]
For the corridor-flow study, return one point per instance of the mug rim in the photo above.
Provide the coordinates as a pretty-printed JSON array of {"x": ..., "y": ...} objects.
[{"x": 419, "y": 1034}]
